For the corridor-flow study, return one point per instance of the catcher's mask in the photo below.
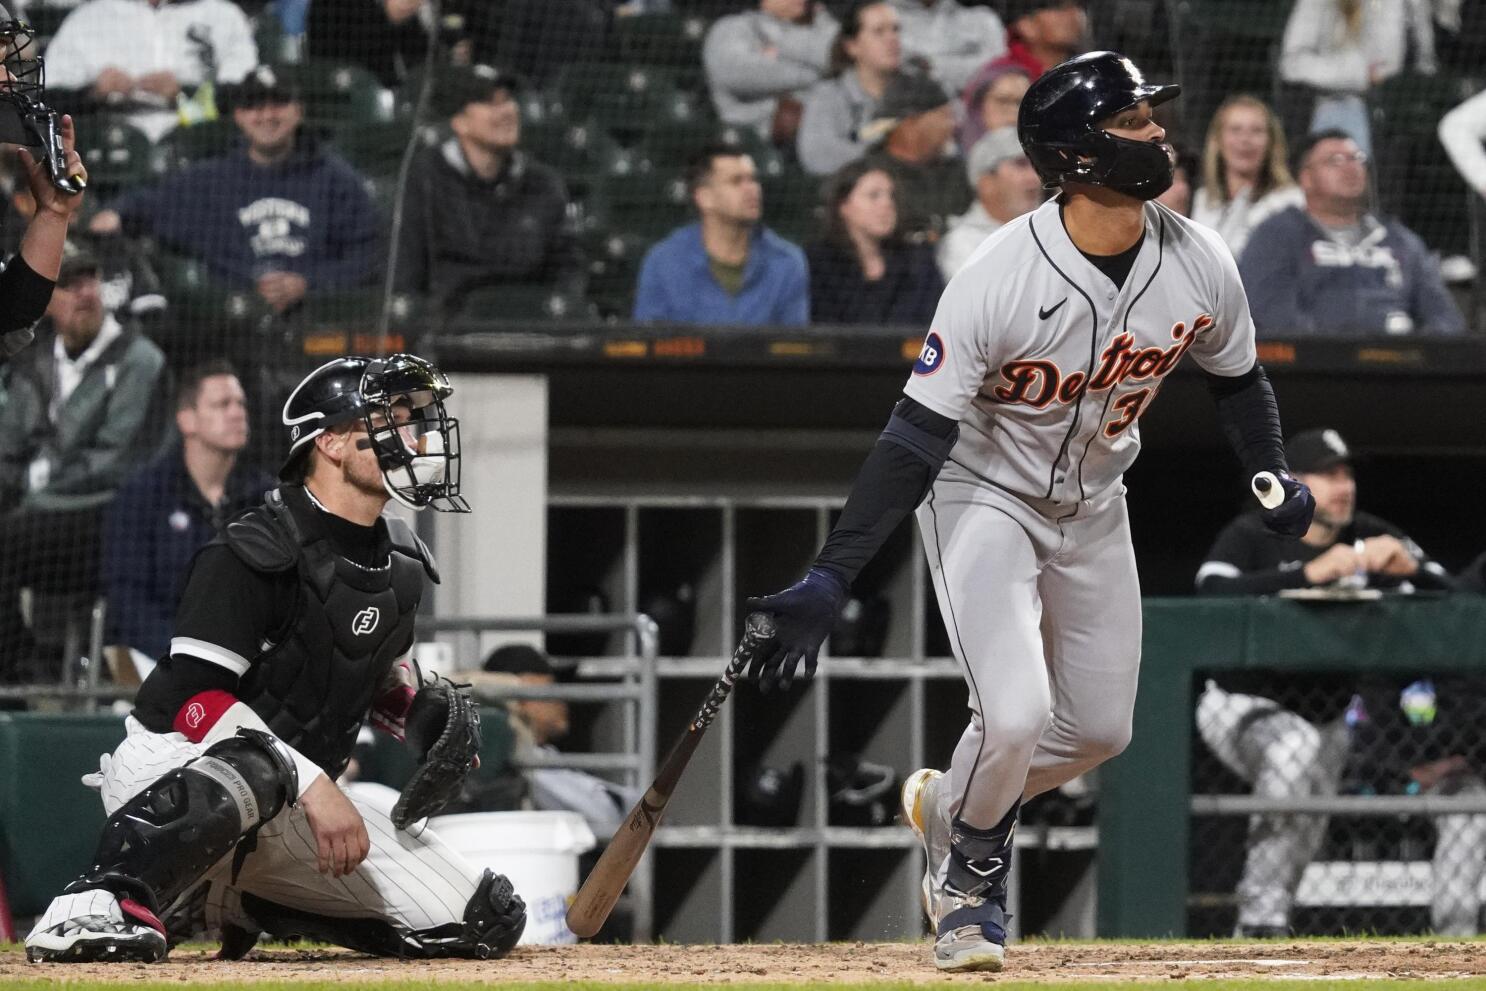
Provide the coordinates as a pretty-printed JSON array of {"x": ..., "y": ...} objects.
[
  {"x": 25, "y": 119},
  {"x": 400, "y": 401}
]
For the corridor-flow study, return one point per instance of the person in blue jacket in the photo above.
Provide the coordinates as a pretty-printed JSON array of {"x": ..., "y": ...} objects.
[
  {"x": 1332, "y": 268},
  {"x": 174, "y": 505},
  {"x": 727, "y": 268},
  {"x": 280, "y": 213}
]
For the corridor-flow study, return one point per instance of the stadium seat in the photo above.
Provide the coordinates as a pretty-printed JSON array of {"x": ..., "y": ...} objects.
[
  {"x": 647, "y": 203},
  {"x": 339, "y": 95},
  {"x": 614, "y": 259},
  {"x": 668, "y": 40},
  {"x": 376, "y": 148},
  {"x": 1416, "y": 182},
  {"x": 185, "y": 145},
  {"x": 626, "y": 100},
  {"x": 118, "y": 153},
  {"x": 514, "y": 301},
  {"x": 1241, "y": 18},
  {"x": 45, "y": 19},
  {"x": 792, "y": 205}
]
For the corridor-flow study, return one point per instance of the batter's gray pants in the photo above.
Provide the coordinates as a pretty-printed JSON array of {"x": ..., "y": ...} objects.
[{"x": 1042, "y": 605}]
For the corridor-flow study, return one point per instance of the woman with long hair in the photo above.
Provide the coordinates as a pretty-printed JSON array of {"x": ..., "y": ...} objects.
[
  {"x": 867, "y": 52},
  {"x": 861, "y": 271},
  {"x": 1245, "y": 177}
]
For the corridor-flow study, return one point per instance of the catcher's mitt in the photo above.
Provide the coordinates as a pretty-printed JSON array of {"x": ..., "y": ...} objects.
[{"x": 443, "y": 725}]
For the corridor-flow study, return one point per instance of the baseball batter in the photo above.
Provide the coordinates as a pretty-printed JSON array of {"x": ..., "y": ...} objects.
[
  {"x": 1016, "y": 426},
  {"x": 292, "y": 630}
]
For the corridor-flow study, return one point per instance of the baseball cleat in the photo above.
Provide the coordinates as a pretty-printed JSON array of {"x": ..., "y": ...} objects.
[
  {"x": 920, "y": 806},
  {"x": 96, "y": 926},
  {"x": 972, "y": 936}
]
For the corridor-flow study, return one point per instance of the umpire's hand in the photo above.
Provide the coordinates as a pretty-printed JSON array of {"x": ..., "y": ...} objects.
[
  {"x": 340, "y": 835},
  {"x": 803, "y": 617}
]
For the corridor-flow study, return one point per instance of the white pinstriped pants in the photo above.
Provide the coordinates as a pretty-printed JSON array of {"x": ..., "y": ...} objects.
[{"x": 410, "y": 878}]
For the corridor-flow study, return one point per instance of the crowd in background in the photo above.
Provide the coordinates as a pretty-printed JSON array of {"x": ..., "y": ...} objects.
[{"x": 263, "y": 170}]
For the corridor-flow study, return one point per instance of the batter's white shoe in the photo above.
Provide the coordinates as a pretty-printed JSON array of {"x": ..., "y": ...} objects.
[
  {"x": 920, "y": 804},
  {"x": 92, "y": 926},
  {"x": 972, "y": 936}
]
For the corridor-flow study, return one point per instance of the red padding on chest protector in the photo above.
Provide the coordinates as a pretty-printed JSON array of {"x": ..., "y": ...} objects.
[{"x": 201, "y": 712}]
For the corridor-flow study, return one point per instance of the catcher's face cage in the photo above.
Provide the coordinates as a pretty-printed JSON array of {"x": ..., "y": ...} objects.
[
  {"x": 415, "y": 439},
  {"x": 25, "y": 119}
]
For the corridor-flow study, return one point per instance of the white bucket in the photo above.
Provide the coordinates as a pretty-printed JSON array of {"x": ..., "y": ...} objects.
[{"x": 538, "y": 851}]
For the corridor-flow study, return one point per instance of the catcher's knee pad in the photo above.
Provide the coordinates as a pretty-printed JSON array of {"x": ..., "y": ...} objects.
[
  {"x": 493, "y": 921},
  {"x": 164, "y": 839}
]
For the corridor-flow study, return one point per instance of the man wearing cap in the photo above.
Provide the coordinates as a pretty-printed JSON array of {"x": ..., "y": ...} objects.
[
  {"x": 82, "y": 412},
  {"x": 1006, "y": 186},
  {"x": 478, "y": 210},
  {"x": 1298, "y": 748},
  {"x": 911, "y": 134},
  {"x": 602, "y": 803},
  {"x": 280, "y": 214}
]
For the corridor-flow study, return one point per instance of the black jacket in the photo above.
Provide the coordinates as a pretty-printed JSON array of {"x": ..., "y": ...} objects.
[
  {"x": 906, "y": 294},
  {"x": 461, "y": 232}
]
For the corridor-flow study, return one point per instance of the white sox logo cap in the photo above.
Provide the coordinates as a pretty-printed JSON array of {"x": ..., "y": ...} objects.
[{"x": 366, "y": 621}]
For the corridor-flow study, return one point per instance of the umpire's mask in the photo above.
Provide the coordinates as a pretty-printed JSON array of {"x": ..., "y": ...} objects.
[{"x": 25, "y": 119}]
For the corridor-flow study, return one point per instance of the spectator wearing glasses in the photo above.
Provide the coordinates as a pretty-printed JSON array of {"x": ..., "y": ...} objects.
[
  {"x": 1333, "y": 268},
  {"x": 280, "y": 214}
]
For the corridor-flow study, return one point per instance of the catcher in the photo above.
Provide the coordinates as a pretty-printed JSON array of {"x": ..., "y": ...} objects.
[{"x": 293, "y": 629}]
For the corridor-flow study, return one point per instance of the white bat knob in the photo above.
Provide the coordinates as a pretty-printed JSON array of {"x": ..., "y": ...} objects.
[{"x": 1268, "y": 490}]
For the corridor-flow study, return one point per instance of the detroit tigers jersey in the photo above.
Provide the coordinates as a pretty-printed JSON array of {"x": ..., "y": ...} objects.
[{"x": 1048, "y": 365}]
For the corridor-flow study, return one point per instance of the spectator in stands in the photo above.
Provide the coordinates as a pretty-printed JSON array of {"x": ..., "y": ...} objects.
[
  {"x": 1178, "y": 196},
  {"x": 950, "y": 39},
  {"x": 864, "y": 57},
  {"x": 992, "y": 101},
  {"x": 1461, "y": 132},
  {"x": 155, "y": 60},
  {"x": 727, "y": 268},
  {"x": 861, "y": 271},
  {"x": 1422, "y": 736},
  {"x": 1332, "y": 267},
  {"x": 478, "y": 210},
  {"x": 388, "y": 37},
  {"x": 1006, "y": 186},
  {"x": 1299, "y": 750},
  {"x": 1039, "y": 35},
  {"x": 81, "y": 412},
  {"x": 175, "y": 504},
  {"x": 541, "y": 724},
  {"x": 911, "y": 134},
  {"x": 1245, "y": 178},
  {"x": 534, "y": 40},
  {"x": 761, "y": 63},
  {"x": 1334, "y": 51},
  {"x": 280, "y": 214}
]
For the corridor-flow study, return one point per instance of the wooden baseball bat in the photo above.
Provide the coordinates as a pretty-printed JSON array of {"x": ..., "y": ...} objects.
[{"x": 601, "y": 889}]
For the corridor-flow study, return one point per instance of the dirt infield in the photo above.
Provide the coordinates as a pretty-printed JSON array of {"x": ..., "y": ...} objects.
[{"x": 863, "y": 963}]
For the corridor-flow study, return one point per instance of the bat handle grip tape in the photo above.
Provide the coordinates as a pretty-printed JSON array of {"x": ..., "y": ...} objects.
[{"x": 1267, "y": 489}]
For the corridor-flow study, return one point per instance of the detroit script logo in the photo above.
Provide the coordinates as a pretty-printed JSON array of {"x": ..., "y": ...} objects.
[{"x": 1039, "y": 383}]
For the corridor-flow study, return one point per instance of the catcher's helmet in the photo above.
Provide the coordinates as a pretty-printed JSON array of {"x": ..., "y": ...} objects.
[
  {"x": 400, "y": 401},
  {"x": 1058, "y": 125},
  {"x": 25, "y": 119}
]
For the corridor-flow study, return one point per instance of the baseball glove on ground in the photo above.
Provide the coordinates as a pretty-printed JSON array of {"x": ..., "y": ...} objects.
[{"x": 444, "y": 726}]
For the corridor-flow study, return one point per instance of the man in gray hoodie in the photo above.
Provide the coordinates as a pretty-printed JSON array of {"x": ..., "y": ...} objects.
[{"x": 760, "y": 63}]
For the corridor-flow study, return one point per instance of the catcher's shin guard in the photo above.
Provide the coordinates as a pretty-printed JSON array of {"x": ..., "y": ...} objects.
[
  {"x": 161, "y": 842},
  {"x": 493, "y": 921}
]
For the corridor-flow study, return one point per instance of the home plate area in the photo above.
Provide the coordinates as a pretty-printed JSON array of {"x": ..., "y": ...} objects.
[{"x": 812, "y": 964}]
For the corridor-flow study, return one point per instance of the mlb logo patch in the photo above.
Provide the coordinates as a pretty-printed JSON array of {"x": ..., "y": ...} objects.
[{"x": 931, "y": 357}]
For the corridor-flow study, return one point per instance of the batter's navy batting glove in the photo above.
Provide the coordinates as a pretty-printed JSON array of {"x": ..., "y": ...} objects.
[
  {"x": 803, "y": 616},
  {"x": 1291, "y": 518}
]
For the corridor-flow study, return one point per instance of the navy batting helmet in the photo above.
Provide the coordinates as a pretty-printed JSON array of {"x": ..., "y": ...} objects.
[{"x": 1058, "y": 125}]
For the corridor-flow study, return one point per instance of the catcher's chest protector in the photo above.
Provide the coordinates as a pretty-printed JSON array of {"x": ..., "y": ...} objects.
[{"x": 315, "y": 687}]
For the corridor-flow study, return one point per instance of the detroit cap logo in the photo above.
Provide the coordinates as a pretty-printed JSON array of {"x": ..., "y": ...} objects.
[
  {"x": 366, "y": 621},
  {"x": 931, "y": 358}
]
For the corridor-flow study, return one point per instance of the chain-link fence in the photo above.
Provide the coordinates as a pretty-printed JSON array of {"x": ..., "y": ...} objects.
[{"x": 1328, "y": 803}]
